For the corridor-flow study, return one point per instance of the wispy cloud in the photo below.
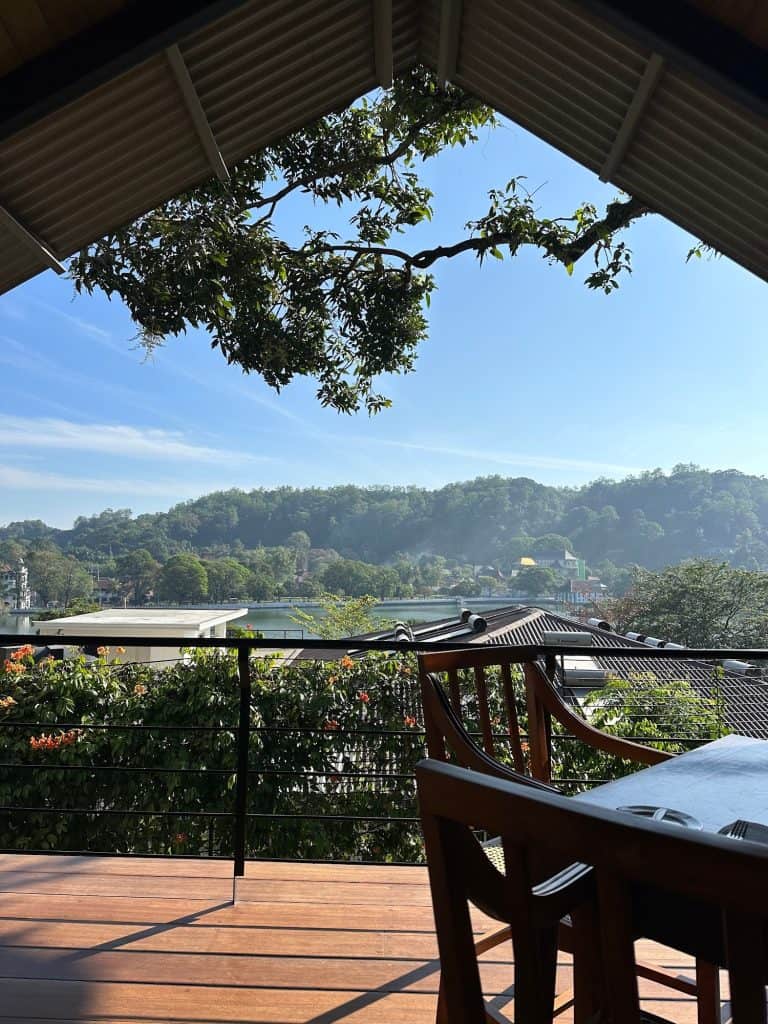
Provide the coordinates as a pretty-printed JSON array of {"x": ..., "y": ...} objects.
[
  {"x": 174, "y": 367},
  {"x": 13, "y": 478},
  {"x": 12, "y": 310},
  {"x": 84, "y": 326},
  {"x": 480, "y": 454},
  {"x": 19, "y": 432}
]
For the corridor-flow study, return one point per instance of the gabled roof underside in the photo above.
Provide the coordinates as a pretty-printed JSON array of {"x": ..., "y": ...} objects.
[{"x": 101, "y": 149}]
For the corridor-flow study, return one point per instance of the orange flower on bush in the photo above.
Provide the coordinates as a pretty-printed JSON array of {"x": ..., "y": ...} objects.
[
  {"x": 139, "y": 690},
  {"x": 12, "y": 666},
  {"x": 332, "y": 680},
  {"x": 347, "y": 662},
  {"x": 22, "y": 652},
  {"x": 329, "y": 724},
  {"x": 51, "y": 742},
  {"x": 101, "y": 651},
  {"x": 180, "y": 837},
  {"x": 6, "y": 702},
  {"x": 120, "y": 650},
  {"x": 409, "y": 721},
  {"x": 363, "y": 696}
]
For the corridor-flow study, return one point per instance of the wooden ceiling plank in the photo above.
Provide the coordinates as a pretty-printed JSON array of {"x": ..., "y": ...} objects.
[
  {"x": 9, "y": 55},
  {"x": 27, "y": 28},
  {"x": 65, "y": 18}
]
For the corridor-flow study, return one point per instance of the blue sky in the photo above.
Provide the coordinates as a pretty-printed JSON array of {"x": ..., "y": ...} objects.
[{"x": 525, "y": 373}]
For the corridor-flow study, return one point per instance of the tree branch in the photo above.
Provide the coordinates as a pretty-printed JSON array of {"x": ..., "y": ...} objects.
[
  {"x": 618, "y": 215},
  {"x": 386, "y": 160}
]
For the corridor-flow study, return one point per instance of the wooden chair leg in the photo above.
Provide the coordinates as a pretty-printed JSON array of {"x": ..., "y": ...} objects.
[
  {"x": 441, "y": 1015},
  {"x": 707, "y": 993},
  {"x": 586, "y": 964}
]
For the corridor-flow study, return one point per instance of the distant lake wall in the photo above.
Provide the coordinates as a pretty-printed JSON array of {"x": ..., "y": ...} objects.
[{"x": 274, "y": 618}]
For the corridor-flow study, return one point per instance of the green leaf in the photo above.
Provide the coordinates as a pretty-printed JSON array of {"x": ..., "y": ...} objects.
[
  {"x": 497, "y": 253},
  {"x": 569, "y": 269}
]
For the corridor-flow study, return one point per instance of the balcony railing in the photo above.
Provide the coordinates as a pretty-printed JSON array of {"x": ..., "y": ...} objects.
[{"x": 271, "y": 785}]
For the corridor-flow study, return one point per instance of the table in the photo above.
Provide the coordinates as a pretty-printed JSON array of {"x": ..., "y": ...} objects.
[{"x": 716, "y": 783}]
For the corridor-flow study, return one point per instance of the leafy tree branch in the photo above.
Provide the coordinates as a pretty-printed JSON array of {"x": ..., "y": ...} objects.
[{"x": 342, "y": 310}]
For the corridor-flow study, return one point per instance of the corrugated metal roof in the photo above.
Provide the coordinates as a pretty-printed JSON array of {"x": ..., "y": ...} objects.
[
  {"x": 745, "y": 699},
  {"x": 265, "y": 68}
]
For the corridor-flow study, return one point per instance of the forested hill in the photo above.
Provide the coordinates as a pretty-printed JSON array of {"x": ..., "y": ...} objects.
[{"x": 652, "y": 519}]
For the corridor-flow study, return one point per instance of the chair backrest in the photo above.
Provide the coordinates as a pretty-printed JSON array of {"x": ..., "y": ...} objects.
[
  {"x": 545, "y": 703},
  {"x": 728, "y": 879},
  {"x": 446, "y": 734},
  {"x": 478, "y": 668},
  {"x": 474, "y": 664}
]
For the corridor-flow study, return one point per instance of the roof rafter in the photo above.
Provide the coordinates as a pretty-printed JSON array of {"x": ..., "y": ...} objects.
[
  {"x": 450, "y": 39},
  {"x": 195, "y": 108},
  {"x": 382, "y": 42},
  {"x": 625, "y": 134},
  {"x": 31, "y": 241}
]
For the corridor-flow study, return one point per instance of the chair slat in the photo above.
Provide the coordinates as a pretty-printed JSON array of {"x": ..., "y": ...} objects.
[
  {"x": 513, "y": 725},
  {"x": 455, "y": 691},
  {"x": 481, "y": 689}
]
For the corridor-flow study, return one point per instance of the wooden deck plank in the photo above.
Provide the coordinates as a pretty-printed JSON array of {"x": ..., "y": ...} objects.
[
  {"x": 71, "y": 1000},
  {"x": 211, "y": 913},
  {"x": 225, "y": 941},
  {"x": 123, "y": 941},
  {"x": 186, "y": 867},
  {"x": 279, "y": 890}
]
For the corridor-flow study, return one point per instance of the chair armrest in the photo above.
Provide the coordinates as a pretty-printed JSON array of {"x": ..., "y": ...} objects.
[{"x": 541, "y": 690}]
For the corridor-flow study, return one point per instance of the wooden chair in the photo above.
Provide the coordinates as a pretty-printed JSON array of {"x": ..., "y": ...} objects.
[
  {"x": 446, "y": 735},
  {"x": 719, "y": 881}
]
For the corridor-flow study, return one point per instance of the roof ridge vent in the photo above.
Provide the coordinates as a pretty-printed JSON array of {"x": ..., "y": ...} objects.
[
  {"x": 567, "y": 638},
  {"x": 742, "y": 668},
  {"x": 600, "y": 624}
]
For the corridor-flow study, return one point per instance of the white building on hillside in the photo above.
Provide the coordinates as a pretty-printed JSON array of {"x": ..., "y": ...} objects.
[
  {"x": 14, "y": 586},
  {"x": 188, "y": 623}
]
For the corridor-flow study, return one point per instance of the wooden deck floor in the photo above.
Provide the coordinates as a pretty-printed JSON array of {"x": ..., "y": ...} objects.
[{"x": 123, "y": 940}]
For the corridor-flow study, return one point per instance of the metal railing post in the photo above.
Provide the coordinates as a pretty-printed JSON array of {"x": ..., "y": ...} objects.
[{"x": 241, "y": 777}]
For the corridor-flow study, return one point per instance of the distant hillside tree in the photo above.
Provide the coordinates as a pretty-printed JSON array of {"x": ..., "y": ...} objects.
[
  {"x": 227, "y": 579},
  {"x": 56, "y": 578},
  {"x": 699, "y": 604},
  {"x": 183, "y": 579},
  {"x": 138, "y": 569},
  {"x": 536, "y": 580}
]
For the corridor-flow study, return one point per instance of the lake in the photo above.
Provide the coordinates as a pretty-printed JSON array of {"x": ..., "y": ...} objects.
[{"x": 276, "y": 622}]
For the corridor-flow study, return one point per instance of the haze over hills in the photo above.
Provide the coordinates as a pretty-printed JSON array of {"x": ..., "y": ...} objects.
[{"x": 653, "y": 519}]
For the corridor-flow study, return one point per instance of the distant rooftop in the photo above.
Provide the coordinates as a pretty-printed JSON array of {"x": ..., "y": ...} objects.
[
  {"x": 141, "y": 621},
  {"x": 744, "y": 697}
]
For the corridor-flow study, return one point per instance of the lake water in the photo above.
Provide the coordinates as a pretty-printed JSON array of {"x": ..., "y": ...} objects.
[{"x": 276, "y": 622}]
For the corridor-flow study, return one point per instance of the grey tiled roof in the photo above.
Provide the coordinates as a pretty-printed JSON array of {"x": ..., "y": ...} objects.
[{"x": 745, "y": 698}]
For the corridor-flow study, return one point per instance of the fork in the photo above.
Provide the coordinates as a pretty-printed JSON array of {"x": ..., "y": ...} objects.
[{"x": 737, "y": 830}]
